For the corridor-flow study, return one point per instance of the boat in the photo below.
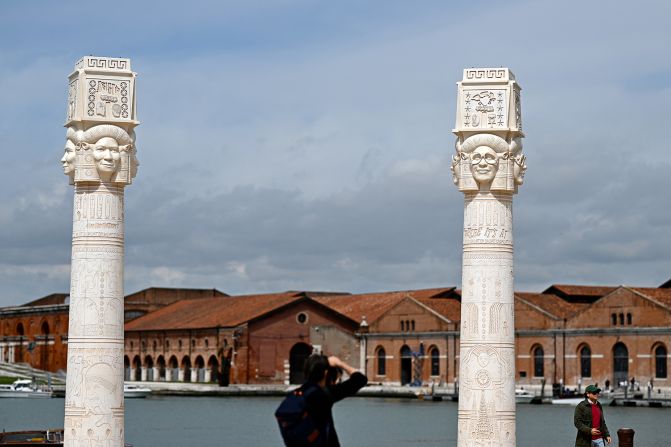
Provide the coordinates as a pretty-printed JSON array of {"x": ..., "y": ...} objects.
[
  {"x": 53, "y": 438},
  {"x": 24, "y": 388},
  {"x": 135, "y": 391},
  {"x": 26, "y": 438},
  {"x": 523, "y": 396}
]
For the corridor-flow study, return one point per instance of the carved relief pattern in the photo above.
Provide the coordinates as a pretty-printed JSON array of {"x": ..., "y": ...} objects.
[
  {"x": 485, "y": 73},
  {"x": 94, "y": 389},
  {"x": 485, "y": 108},
  {"x": 107, "y": 98},
  {"x": 72, "y": 99},
  {"x": 94, "y": 410},
  {"x": 102, "y": 62},
  {"x": 487, "y": 349}
]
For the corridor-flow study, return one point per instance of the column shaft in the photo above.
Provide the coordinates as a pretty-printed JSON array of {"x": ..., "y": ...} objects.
[
  {"x": 487, "y": 349},
  {"x": 94, "y": 390}
]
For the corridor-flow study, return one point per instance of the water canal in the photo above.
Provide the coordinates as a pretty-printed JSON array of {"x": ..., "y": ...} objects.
[{"x": 362, "y": 422}]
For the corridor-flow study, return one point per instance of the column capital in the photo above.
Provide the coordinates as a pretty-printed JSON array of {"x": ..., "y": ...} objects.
[
  {"x": 489, "y": 132},
  {"x": 101, "y": 116}
]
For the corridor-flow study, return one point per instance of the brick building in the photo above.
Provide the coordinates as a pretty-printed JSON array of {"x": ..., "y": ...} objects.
[
  {"x": 259, "y": 338},
  {"x": 37, "y": 332},
  {"x": 566, "y": 334}
]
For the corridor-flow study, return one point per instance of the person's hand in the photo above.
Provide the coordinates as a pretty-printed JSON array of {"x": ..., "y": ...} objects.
[
  {"x": 334, "y": 361},
  {"x": 608, "y": 440},
  {"x": 596, "y": 432}
]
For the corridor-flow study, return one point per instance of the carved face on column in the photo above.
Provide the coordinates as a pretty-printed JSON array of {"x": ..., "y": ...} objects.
[
  {"x": 68, "y": 159},
  {"x": 107, "y": 157},
  {"x": 519, "y": 168},
  {"x": 484, "y": 165}
]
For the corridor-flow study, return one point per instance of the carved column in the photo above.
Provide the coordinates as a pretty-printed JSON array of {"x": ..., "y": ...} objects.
[
  {"x": 100, "y": 161},
  {"x": 487, "y": 168}
]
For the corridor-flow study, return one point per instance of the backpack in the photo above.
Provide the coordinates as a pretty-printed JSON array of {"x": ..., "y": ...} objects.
[{"x": 297, "y": 426}]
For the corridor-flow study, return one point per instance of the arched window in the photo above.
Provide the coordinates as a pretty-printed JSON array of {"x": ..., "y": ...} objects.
[
  {"x": 539, "y": 370},
  {"x": 585, "y": 362},
  {"x": 620, "y": 363},
  {"x": 381, "y": 357},
  {"x": 621, "y": 318},
  {"x": 613, "y": 319},
  {"x": 628, "y": 318},
  {"x": 402, "y": 326},
  {"x": 406, "y": 365},
  {"x": 412, "y": 325},
  {"x": 435, "y": 361},
  {"x": 660, "y": 362}
]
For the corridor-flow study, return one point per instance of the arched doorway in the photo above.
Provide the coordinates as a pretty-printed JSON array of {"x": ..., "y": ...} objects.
[
  {"x": 137, "y": 365},
  {"x": 620, "y": 363},
  {"x": 149, "y": 366},
  {"x": 406, "y": 365},
  {"x": 213, "y": 365},
  {"x": 174, "y": 369},
  {"x": 297, "y": 356},
  {"x": 160, "y": 363},
  {"x": 186, "y": 368},
  {"x": 200, "y": 369},
  {"x": 126, "y": 368}
]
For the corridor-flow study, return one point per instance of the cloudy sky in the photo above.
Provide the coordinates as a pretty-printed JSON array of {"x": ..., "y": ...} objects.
[{"x": 297, "y": 144}]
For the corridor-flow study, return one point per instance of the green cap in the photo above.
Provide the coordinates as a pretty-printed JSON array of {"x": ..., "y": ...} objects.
[{"x": 592, "y": 389}]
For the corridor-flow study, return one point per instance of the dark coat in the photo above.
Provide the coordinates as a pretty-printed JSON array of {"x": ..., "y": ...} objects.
[
  {"x": 321, "y": 402},
  {"x": 582, "y": 419}
]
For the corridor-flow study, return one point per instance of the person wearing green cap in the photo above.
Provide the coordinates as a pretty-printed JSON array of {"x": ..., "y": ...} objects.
[{"x": 588, "y": 419}]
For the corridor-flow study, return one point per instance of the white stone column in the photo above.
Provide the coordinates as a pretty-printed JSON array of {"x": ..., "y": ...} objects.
[
  {"x": 100, "y": 161},
  {"x": 487, "y": 168}
]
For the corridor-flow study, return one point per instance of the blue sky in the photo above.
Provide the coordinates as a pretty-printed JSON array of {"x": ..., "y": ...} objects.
[{"x": 306, "y": 145}]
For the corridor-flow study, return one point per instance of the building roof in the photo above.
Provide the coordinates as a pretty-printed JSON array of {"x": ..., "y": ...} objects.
[
  {"x": 660, "y": 295},
  {"x": 213, "y": 312},
  {"x": 166, "y": 295},
  {"x": 666, "y": 285},
  {"x": 553, "y": 305},
  {"x": 578, "y": 293},
  {"x": 374, "y": 305},
  {"x": 356, "y": 307},
  {"x": 54, "y": 298}
]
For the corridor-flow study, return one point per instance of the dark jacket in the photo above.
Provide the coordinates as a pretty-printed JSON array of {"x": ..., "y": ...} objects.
[
  {"x": 582, "y": 419},
  {"x": 320, "y": 402}
]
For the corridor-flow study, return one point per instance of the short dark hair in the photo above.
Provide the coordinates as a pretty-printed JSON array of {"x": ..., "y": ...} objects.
[{"x": 315, "y": 367}]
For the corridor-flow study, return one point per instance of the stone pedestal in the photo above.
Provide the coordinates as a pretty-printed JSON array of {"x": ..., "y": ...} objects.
[
  {"x": 100, "y": 161},
  {"x": 487, "y": 168}
]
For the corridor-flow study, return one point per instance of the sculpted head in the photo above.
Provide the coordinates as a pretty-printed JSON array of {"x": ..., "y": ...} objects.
[
  {"x": 484, "y": 164},
  {"x": 107, "y": 157},
  {"x": 69, "y": 157}
]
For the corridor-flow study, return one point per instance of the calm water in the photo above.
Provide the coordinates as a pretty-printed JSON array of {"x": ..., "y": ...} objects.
[{"x": 361, "y": 422}]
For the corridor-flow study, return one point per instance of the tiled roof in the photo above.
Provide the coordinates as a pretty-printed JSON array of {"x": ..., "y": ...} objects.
[
  {"x": 212, "y": 312},
  {"x": 54, "y": 298},
  {"x": 661, "y": 295},
  {"x": 374, "y": 305},
  {"x": 449, "y": 308},
  {"x": 369, "y": 305},
  {"x": 570, "y": 289},
  {"x": 552, "y": 304}
]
